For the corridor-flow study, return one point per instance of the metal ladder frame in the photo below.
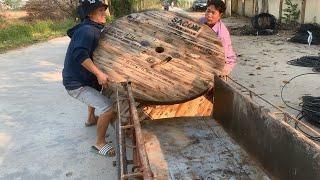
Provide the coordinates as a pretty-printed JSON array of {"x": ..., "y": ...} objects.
[{"x": 130, "y": 130}]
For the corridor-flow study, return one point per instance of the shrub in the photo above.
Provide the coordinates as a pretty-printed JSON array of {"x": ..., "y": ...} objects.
[
  {"x": 184, "y": 3},
  {"x": 12, "y": 4},
  {"x": 120, "y": 8},
  {"x": 291, "y": 12},
  {"x": 2, "y": 20},
  {"x": 19, "y": 33},
  {"x": 67, "y": 7},
  {"x": 54, "y": 10}
]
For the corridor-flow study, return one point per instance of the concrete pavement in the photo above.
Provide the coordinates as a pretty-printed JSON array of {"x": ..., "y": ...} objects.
[{"x": 42, "y": 133}]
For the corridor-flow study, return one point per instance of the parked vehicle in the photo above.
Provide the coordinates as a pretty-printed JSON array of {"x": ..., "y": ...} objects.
[{"x": 200, "y": 5}]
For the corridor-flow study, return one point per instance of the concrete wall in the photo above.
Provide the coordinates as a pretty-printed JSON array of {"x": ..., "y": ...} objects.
[
  {"x": 274, "y": 7},
  {"x": 261, "y": 6},
  {"x": 282, "y": 151},
  {"x": 240, "y": 7},
  {"x": 234, "y": 4},
  {"x": 312, "y": 11},
  {"x": 249, "y": 5}
]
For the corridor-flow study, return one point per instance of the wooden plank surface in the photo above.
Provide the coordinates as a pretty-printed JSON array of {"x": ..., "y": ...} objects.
[
  {"x": 200, "y": 106},
  {"x": 168, "y": 57}
]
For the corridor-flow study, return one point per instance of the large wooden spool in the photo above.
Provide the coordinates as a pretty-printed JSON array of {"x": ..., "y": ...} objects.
[{"x": 168, "y": 57}]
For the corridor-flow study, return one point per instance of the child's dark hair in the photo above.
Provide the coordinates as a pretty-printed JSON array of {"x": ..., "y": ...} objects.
[{"x": 218, "y": 4}]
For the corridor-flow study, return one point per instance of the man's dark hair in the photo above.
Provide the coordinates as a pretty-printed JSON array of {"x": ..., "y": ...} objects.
[{"x": 218, "y": 4}]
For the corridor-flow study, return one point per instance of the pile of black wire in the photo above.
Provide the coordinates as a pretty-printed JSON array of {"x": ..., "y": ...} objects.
[
  {"x": 316, "y": 69},
  {"x": 302, "y": 34},
  {"x": 264, "y": 24},
  {"x": 261, "y": 24},
  {"x": 245, "y": 30},
  {"x": 310, "y": 109},
  {"x": 310, "y": 112},
  {"x": 307, "y": 61}
]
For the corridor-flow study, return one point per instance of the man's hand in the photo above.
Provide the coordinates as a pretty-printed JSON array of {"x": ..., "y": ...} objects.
[{"x": 102, "y": 79}]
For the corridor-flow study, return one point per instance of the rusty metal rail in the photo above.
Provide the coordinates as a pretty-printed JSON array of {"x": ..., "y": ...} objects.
[{"x": 129, "y": 135}]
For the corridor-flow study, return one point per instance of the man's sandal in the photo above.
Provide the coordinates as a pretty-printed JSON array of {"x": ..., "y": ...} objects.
[{"x": 106, "y": 150}]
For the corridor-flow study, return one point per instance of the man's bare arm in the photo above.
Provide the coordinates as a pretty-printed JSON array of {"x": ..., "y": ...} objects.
[{"x": 90, "y": 66}]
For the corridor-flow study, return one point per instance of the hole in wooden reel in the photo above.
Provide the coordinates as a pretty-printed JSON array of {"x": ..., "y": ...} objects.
[
  {"x": 159, "y": 49},
  {"x": 168, "y": 59}
]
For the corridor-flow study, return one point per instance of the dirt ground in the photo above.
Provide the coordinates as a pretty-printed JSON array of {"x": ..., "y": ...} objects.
[
  {"x": 262, "y": 66},
  {"x": 10, "y": 16}
]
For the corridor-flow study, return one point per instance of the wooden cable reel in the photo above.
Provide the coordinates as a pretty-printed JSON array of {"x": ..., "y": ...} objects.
[{"x": 168, "y": 57}]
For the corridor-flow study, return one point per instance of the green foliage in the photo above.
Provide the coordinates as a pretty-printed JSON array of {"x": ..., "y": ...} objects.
[
  {"x": 13, "y": 4},
  {"x": 63, "y": 26},
  {"x": 184, "y": 3},
  {"x": 120, "y": 8},
  {"x": 2, "y": 20},
  {"x": 53, "y": 9},
  {"x": 291, "y": 12},
  {"x": 110, "y": 19},
  {"x": 21, "y": 33}
]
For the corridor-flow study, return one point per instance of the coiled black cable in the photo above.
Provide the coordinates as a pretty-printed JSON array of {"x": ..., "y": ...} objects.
[
  {"x": 310, "y": 109},
  {"x": 316, "y": 69},
  {"x": 302, "y": 34},
  {"x": 306, "y": 61}
]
